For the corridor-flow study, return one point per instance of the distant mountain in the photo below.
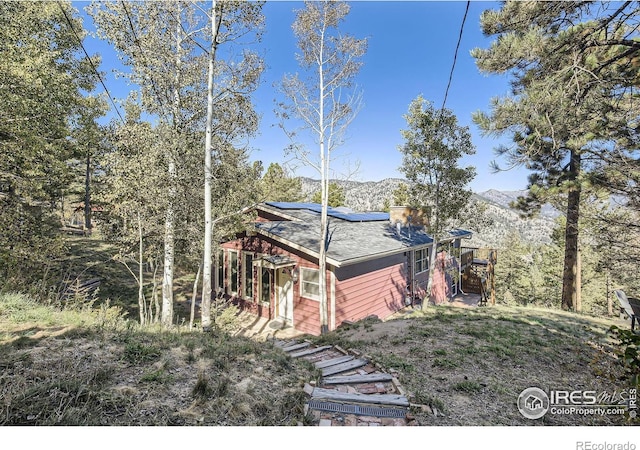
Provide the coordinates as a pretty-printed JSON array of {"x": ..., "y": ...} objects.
[
  {"x": 359, "y": 195},
  {"x": 501, "y": 198},
  {"x": 505, "y": 220},
  {"x": 505, "y": 198},
  {"x": 370, "y": 196}
]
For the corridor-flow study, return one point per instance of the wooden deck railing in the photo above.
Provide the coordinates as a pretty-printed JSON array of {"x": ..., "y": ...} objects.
[{"x": 468, "y": 254}]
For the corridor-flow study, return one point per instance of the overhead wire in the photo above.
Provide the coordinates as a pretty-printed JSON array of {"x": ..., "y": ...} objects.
[
  {"x": 455, "y": 57},
  {"x": 95, "y": 70}
]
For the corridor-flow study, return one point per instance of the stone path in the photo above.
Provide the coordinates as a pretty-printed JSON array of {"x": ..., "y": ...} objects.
[{"x": 352, "y": 390}]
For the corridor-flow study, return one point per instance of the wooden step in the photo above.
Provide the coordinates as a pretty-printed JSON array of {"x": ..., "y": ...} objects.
[
  {"x": 310, "y": 351},
  {"x": 291, "y": 348},
  {"x": 283, "y": 344},
  {"x": 354, "y": 379},
  {"x": 378, "y": 399},
  {"x": 344, "y": 367},
  {"x": 333, "y": 361}
]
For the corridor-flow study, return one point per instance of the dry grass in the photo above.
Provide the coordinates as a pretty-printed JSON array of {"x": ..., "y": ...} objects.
[
  {"x": 118, "y": 374},
  {"x": 471, "y": 364},
  {"x": 468, "y": 365}
]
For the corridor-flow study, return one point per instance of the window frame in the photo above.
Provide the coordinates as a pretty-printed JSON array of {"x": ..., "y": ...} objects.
[
  {"x": 245, "y": 268},
  {"x": 220, "y": 281},
  {"x": 423, "y": 260},
  {"x": 232, "y": 291},
  {"x": 302, "y": 282},
  {"x": 259, "y": 297}
]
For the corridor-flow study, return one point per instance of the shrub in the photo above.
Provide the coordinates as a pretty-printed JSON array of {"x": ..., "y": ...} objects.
[{"x": 627, "y": 351}]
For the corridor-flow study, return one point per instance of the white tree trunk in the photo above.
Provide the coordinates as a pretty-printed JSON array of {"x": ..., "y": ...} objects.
[
  {"x": 154, "y": 314},
  {"x": 324, "y": 187},
  {"x": 169, "y": 229},
  {"x": 433, "y": 257},
  {"x": 322, "y": 263},
  {"x": 141, "y": 301},
  {"x": 193, "y": 297},
  {"x": 205, "y": 306},
  {"x": 167, "y": 280},
  {"x": 434, "y": 253}
]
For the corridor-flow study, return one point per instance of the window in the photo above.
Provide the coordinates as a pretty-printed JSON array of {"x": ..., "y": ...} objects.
[
  {"x": 265, "y": 285},
  {"x": 310, "y": 283},
  {"x": 219, "y": 281},
  {"x": 247, "y": 282},
  {"x": 233, "y": 272},
  {"x": 421, "y": 260}
]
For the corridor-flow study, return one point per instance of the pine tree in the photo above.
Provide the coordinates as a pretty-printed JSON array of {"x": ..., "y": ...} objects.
[
  {"x": 43, "y": 74},
  {"x": 573, "y": 78},
  {"x": 277, "y": 185},
  {"x": 336, "y": 195}
]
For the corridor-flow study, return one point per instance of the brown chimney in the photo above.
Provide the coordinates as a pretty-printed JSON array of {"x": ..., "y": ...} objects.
[{"x": 405, "y": 215}]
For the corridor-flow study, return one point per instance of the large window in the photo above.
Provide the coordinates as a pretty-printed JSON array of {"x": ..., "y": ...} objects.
[
  {"x": 421, "y": 260},
  {"x": 219, "y": 282},
  {"x": 247, "y": 282},
  {"x": 310, "y": 283},
  {"x": 265, "y": 285},
  {"x": 233, "y": 272}
]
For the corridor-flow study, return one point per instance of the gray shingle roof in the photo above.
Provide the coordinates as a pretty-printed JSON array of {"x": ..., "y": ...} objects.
[{"x": 349, "y": 241}]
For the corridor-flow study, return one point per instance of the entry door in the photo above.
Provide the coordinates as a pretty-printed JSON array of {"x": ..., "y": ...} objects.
[{"x": 285, "y": 296}]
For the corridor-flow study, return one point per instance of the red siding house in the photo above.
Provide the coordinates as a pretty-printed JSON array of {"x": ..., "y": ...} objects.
[{"x": 375, "y": 265}]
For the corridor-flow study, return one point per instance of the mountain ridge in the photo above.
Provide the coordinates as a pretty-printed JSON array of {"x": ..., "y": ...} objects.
[{"x": 494, "y": 205}]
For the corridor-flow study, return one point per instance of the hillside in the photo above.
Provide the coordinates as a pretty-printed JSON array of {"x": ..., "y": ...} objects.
[
  {"x": 506, "y": 220},
  {"x": 91, "y": 364},
  {"x": 370, "y": 196},
  {"x": 459, "y": 366}
]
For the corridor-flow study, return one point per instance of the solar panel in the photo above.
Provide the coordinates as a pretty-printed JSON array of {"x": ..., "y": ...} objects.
[
  {"x": 296, "y": 205},
  {"x": 459, "y": 233},
  {"x": 360, "y": 217},
  {"x": 333, "y": 212}
]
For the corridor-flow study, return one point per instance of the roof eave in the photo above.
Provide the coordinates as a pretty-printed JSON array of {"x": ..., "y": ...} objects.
[
  {"x": 277, "y": 212},
  {"x": 295, "y": 246},
  {"x": 340, "y": 263},
  {"x": 362, "y": 259}
]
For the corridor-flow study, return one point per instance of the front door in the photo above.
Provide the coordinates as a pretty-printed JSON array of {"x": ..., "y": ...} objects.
[{"x": 285, "y": 296}]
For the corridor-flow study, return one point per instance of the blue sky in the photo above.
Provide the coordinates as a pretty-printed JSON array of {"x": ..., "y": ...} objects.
[{"x": 411, "y": 46}]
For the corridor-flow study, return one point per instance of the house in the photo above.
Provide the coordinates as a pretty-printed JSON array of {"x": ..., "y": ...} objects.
[
  {"x": 533, "y": 403},
  {"x": 376, "y": 264}
]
